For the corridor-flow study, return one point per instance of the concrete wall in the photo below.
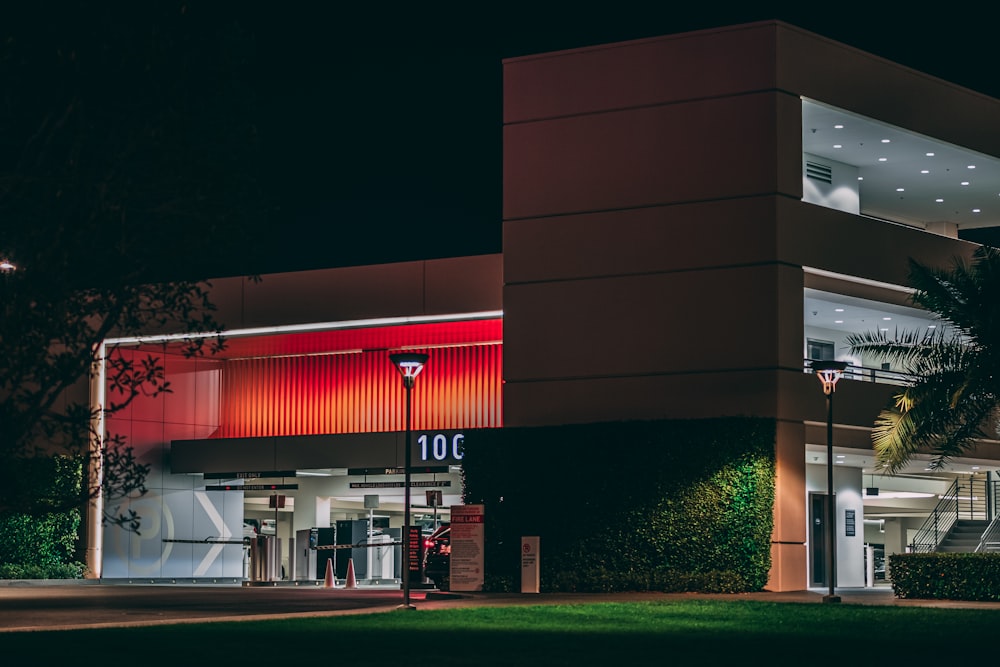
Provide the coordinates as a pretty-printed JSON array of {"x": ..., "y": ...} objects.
[{"x": 430, "y": 287}]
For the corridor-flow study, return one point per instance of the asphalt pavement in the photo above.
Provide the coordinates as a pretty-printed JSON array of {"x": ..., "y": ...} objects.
[{"x": 31, "y": 606}]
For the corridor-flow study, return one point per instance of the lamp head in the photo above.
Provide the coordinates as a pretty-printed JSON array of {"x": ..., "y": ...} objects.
[
  {"x": 828, "y": 373},
  {"x": 409, "y": 365}
]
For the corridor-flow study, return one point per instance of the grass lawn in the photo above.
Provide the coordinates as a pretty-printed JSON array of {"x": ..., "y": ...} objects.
[{"x": 609, "y": 634}]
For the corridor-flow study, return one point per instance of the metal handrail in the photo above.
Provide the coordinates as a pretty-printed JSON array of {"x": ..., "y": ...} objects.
[
  {"x": 952, "y": 507},
  {"x": 868, "y": 374},
  {"x": 990, "y": 540}
]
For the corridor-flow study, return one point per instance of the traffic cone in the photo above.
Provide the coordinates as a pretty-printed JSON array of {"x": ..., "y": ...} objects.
[
  {"x": 329, "y": 581},
  {"x": 351, "y": 583}
]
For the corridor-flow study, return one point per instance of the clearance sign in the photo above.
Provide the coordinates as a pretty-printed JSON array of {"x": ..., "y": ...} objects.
[{"x": 467, "y": 538}]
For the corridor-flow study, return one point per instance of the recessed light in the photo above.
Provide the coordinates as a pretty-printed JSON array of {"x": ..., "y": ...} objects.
[
  {"x": 838, "y": 146},
  {"x": 964, "y": 183},
  {"x": 886, "y": 319},
  {"x": 925, "y": 171},
  {"x": 929, "y": 154},
  {"x": 939, "y": 200},
  {"x": 838, "y": 127},
  {"x": 883, "y": 159},
  {"x": 838, "y": 321},
  {"x": 900, "y": 190},
  {"x": 883, "y": 329},
  {"x": 885, "y": 141},
  {"x": 975, "y": 467},
  {"x": 932, "y": 326},
  {"x": 972, "y": 166},
  {"x": 861, "y": 178},
  {"x": 976, "y": 210},
  {"x": 839, "y": 310}
]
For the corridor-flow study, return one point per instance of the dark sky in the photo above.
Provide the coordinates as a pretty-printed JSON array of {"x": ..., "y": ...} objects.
[
  {"x": 389, "y": 125},
  {"x": 380, "y": 123}
]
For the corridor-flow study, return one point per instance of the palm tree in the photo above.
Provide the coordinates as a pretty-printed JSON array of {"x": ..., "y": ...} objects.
[{"x": 956, "y": 392}]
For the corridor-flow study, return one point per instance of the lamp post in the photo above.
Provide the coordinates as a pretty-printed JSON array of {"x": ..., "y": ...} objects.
[
  {"x": 828, "y": 373},
  {"x": 409, "y": 365}
]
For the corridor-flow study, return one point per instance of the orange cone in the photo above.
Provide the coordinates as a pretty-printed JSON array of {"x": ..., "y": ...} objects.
[
  {"x": 351, "y": 583},
  {"x": 329, "y": 581}
]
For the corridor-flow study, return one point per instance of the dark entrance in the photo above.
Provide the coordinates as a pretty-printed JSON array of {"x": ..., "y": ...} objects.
[{"x": 818, "y": 537}]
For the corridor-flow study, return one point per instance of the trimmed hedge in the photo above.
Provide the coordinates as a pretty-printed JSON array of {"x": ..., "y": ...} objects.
[
  {"x": 946, "y": 576},
  {"x": 683, "y": 505}
]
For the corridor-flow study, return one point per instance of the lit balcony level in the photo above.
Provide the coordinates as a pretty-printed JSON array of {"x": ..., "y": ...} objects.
[{"x": 865, "y": 167}]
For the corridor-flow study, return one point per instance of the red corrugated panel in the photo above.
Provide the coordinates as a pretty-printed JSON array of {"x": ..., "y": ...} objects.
[{"x": 358, "y": 392}]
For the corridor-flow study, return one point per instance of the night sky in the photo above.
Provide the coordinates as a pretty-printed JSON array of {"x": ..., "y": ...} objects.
[{"x": 380, "y": 126}]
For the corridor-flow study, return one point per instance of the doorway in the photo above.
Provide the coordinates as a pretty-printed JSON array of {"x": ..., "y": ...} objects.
[{"x": 818, "y": 538}]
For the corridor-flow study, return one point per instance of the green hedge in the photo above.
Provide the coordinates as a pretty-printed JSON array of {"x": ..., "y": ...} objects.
[
  {"x": 682, "y": 505},
  {"x": 946, "y": 576},
  {"x": 42, "y": 544}
]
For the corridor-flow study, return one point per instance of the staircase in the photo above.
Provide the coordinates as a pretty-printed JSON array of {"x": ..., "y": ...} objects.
[
  {"x": 964, "y": 536},
  {"x": 961, "y": 518}
]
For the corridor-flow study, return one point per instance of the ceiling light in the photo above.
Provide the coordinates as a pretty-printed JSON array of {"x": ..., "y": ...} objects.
[
  {"x": 976, "y": 210},
  {"x": 838, "y": 146},
  {"x": 925, "y": 171},
  {"x": 932, "y": 326},
  {"x": 885, "y": 141},
  {"x": 929, "y": 154},
  {"x": 889, "y": 495},
  {"x": 886, "y": 318},
  {"x": 839, "y": 310},
  {"x": 883, "y": 329},
  {"x": 900, "y": 190},
  {"x": 838, "y": 321},
  {"x": 964, "y": 183},
  {"x": 838, "y": 127},
  {"x": 883, "y": 159},
  {"x": 975, "y": 467},
  {"x": 861, "y": 178},
  {"x": 972, "y": 166},
  {"x": 939, "y": 200}
]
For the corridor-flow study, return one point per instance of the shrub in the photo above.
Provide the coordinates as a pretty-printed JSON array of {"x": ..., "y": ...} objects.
[
  {"x": 946, "y": 576},
  {"x": 693, "y": 513}
]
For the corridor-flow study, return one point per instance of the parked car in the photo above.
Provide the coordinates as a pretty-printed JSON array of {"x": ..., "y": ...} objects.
[{"x": 437, "y": 556}]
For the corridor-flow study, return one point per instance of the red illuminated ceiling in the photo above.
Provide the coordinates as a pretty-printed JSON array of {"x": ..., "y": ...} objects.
[{"x": 341, "y": 381}]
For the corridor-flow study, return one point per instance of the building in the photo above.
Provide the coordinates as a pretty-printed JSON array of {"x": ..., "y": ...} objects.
[{"x": 686, "y": 220}]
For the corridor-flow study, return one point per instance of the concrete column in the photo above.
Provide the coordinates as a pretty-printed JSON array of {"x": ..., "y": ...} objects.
[
  {"x": 788, "y": 538},
  {"x": 944, "y": 228},
  {"x": 95, "y": 470}
]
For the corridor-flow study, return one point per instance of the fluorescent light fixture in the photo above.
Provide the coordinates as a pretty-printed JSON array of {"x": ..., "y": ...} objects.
[{"x": 896, "y": 495}]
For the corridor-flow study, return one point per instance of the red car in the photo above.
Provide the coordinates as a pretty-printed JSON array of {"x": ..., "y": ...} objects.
[{"x": 437, "y": 556}]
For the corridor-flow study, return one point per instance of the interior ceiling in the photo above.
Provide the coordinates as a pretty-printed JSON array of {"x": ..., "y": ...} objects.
[
  {"x": 907, "y": 185},
  {"x": 850, "y": 314}
]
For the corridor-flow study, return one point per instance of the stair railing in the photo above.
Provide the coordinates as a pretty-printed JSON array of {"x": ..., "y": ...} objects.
[
  {"x": 990, "y": 541},
  {"x": 964, "y": 499}
]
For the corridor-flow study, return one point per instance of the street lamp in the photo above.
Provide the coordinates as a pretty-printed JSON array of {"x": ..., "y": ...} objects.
[
  {"x": 409, "y": 365},
  {"x": 828, "y": 373}
]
